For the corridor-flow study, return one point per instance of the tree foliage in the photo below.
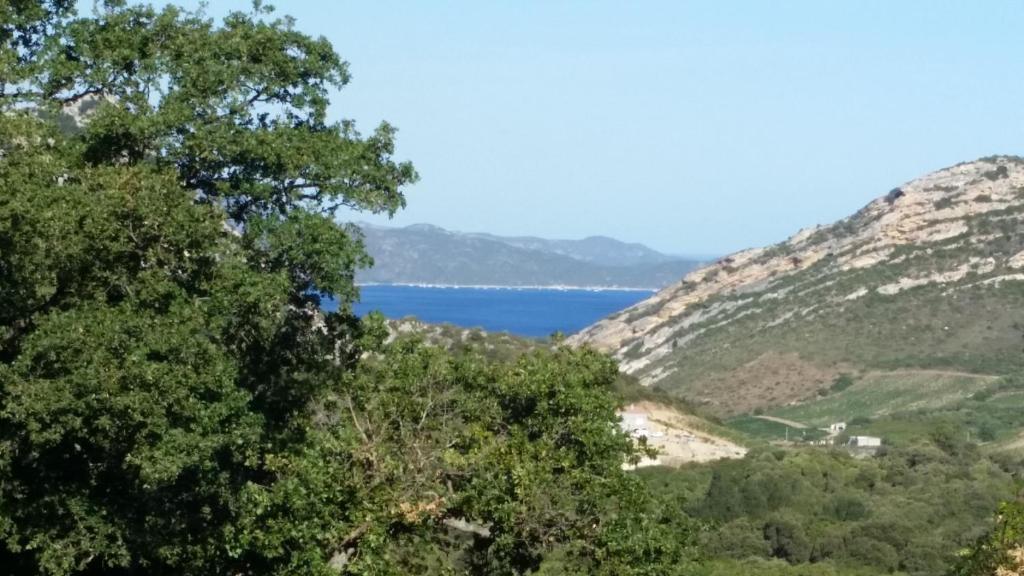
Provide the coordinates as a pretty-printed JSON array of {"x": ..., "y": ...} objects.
[
  {"x": 172, "y": 398},
  {"x": 1000, "y": 552},
  {"x": 906, "y": 510}
]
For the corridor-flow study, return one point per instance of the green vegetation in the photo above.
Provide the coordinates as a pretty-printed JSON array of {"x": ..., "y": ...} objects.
[
  {"x": 173, "y": 401},
  {"x": 776, "y": 567},
  {"x": 841, "y": 382},
  {"x": 500, "y": 346},
  {"x": 951, "y": 454},
  {"x": 1001, "y": 551},
  {"x": 901, "y": 407},
  {"x": 878, "y": 394},
  {"x": 770, "y": 430},
  {"x": 815, "y": 511},
  {"x": 996, "y": 420},
  {"x": 997, "y": 173}
]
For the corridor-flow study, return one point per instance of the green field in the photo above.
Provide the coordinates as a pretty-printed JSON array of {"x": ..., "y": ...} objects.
[
  {"x": 904, "y": 407},
  {"x": 994, "y": 423},
  {"x": 772, "y": 431},
  {"x": 884, "y": 393}
]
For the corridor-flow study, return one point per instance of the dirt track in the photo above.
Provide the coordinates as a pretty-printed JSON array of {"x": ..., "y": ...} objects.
[
  {"x": 790, "y": 423},
  {"x": 933, "y": 372}
]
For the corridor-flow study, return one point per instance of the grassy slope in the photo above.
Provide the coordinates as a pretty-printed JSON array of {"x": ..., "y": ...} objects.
[
  {"x": 767, "y": 430},
  {"x": 902, "y": 407},
  {"x": 879, "y": 394}
]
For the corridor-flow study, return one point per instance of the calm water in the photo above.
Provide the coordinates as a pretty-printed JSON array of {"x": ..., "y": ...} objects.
[{"x": 526, "y": 312}]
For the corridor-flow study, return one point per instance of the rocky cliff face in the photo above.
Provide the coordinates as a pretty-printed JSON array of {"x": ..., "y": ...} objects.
[{"x": 928, "y": 275}]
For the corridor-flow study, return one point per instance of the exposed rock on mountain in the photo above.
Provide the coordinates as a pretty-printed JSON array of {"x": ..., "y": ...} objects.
[
  {"x": 930, "y": 275},
  {"x": 425, "y": 254}
]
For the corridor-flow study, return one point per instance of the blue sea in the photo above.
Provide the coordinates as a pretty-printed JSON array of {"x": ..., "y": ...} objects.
[{"x": 532, "y": 312}]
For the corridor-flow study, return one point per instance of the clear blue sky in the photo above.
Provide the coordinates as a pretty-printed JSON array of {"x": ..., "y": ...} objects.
[{"x": 694, "y": 127}]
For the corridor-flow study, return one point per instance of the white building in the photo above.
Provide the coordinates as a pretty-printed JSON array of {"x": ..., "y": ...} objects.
[
  {"x": 837, "y": 427},
  {"x": 865, "y": 441}
]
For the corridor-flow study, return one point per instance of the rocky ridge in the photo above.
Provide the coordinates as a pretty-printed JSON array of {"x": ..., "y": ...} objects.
[{"x": 957, "y": 229}]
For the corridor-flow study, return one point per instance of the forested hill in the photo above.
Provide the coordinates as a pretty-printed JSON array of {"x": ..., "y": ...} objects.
[{"x": 425, "y": 254}]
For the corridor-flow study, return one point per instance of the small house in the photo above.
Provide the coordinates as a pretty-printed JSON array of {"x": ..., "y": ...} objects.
[
  {"x": 837, "y": 427},
  {"x": 865, "y": 441}
]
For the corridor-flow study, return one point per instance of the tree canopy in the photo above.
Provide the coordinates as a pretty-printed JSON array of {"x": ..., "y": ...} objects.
[{"x": 172, "y": 398}]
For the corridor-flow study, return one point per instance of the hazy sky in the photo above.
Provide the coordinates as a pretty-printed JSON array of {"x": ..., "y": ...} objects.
[{"x": 694, "y": 127}]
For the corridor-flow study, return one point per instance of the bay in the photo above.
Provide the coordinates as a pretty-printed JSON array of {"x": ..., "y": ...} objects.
[{"x": 531, "y": 312}]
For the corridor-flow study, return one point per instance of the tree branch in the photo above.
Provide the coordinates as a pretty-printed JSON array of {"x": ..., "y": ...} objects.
[
  {"x": 355, "y": 420},
  {"x": 347, "y": 548}
]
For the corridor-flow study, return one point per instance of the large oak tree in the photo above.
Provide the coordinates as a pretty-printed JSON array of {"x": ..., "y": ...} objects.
[{"x": 172, "y": 398}]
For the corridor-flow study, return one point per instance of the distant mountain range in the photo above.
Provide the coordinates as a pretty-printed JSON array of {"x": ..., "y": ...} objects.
[{"x": 426, "y": 254}]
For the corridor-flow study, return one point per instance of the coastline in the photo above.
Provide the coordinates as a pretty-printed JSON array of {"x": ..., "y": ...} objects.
[{"x": 559, "y": 287}]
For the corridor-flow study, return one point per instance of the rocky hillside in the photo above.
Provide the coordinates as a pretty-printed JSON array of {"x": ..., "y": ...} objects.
[
  {"x": 425, "y": 254},
  {"x": 928, "y": 276}
]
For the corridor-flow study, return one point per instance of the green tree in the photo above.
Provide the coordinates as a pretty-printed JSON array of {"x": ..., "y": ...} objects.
[
  {"x": 1001, "y": 551},
  {"x": 172, "y": 398},
  {"x": 738, "y": 539},
  {"x": 787, "y": 540},
  {"x": 162, "y": 268},
  {"x": 521, "y": 456},
  {"x": 848, "y": 507},
  {"x": 869, "y": 552}
]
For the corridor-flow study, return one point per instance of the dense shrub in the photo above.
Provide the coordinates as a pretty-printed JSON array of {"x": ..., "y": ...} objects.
[{"x": 908, "y": 509}]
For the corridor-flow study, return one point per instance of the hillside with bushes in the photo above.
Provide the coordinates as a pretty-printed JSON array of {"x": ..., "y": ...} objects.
[
  {"x": 912, "y": 509},
  {"x": 927, "y": 279}
]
